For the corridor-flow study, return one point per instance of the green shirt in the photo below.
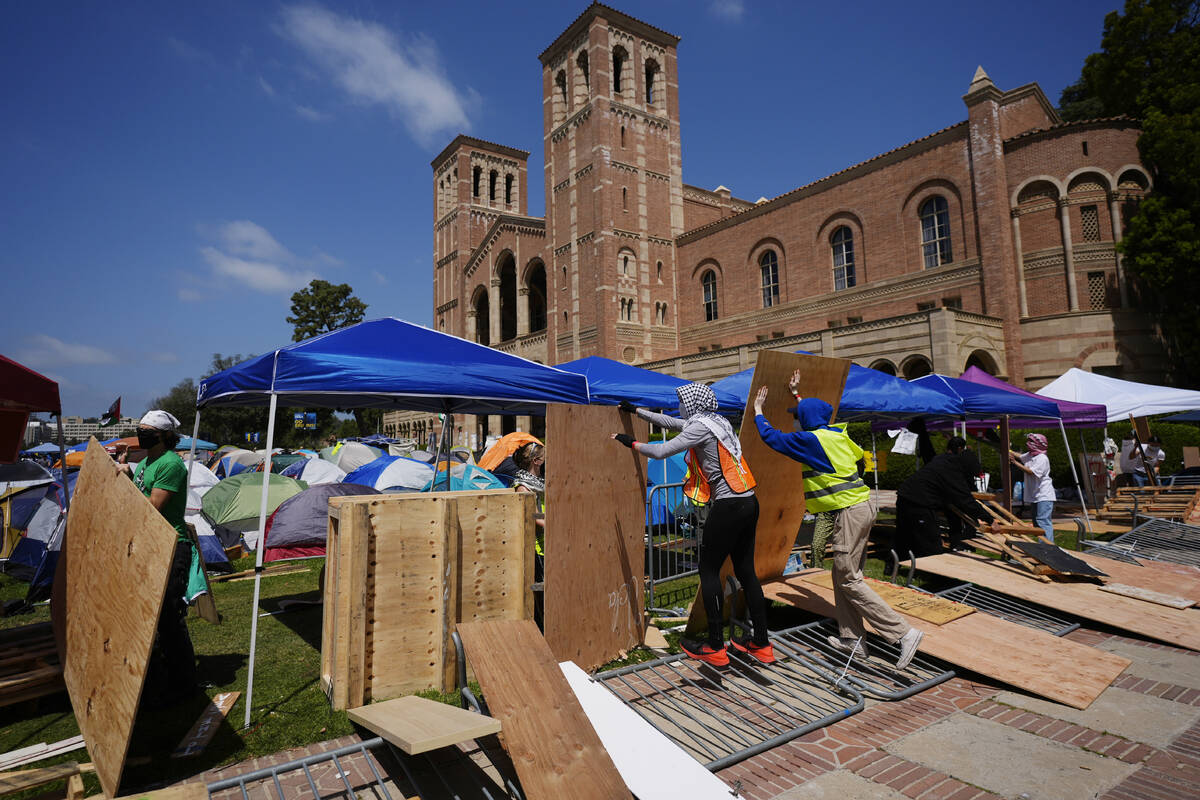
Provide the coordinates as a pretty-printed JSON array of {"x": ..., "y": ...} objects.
[{"x": 166, "y": 472}]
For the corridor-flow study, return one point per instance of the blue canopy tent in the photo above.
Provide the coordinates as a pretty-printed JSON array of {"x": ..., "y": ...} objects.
[
  {"x": 610, "y": 382},
  {"x": 45, "y": 447},
  {"x": 383, "y": 363},
  {"x": 185, "y": 443},
  {"x": 868, "y": 393}
]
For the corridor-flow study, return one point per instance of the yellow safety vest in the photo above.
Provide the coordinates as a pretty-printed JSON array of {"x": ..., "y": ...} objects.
[
  {"x": 843, "y": 487},
  {"x": 736, "y": 473}
]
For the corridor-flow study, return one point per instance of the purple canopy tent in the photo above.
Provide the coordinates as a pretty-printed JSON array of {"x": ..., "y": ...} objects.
[{"x": 1075, "y": 415}]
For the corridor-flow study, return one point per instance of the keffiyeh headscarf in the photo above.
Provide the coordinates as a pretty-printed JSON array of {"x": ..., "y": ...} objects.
[
  {"x": 1035, "y": 443},
  {"x": 698, "y": 403}
]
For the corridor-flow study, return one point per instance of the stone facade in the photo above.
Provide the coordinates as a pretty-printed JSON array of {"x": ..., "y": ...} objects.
[{"x": 990, "y": 242}]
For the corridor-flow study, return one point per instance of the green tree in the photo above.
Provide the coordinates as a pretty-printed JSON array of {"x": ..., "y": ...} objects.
[
  {"x": 322, "y": 307},
  {"x": 1149, "y": 68}
]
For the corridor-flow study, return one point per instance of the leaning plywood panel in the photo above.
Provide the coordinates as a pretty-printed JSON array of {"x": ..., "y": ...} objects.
[
  {"x": 1180, "y": 627},
  {"x": 554, "y": 748},
  {"x": 119, "y": 551},
  {"x": 595, "y": 534},
  {"x": 417, "y": 725},
  {"x": 1032, "y": 660}
]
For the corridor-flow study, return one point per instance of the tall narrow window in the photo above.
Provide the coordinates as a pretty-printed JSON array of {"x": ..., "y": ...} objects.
[
  {"x": 475, "y": 178},
  {"x": 619, "y": 58},
  {"x": 708, "y": 281},
  {"x": 935, "y": 232},
  {"x": 1089, "y": 220},
  {"x": 624, "y": 199},
  {"x": 508, "y": 188},
  {"x": 493, "y": 176},
  {"x": 624, "y": 265},
  {"x": 622, "y": 136},
  {"x": 842, "y": 242},
  {"x": 560, "y": 80},
  {"x": 651, "y": 76},
  {"x": 768, "y": 267},
  {"x": 582, "y": 61}
]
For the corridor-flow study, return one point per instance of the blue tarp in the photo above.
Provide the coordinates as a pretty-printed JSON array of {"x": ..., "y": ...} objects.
[
  {"x": 979, "y": 399},
  {"x": 390, "y": 363},
  {"x": 185, "y": 443},
  {"x": 868, "y": 393},
  {"x": 610, "y": 382}
]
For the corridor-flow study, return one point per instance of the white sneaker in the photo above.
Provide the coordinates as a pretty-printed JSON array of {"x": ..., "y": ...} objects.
[
  {"x": 908, "y": 647},
  {"x": 848, "y": 646}
]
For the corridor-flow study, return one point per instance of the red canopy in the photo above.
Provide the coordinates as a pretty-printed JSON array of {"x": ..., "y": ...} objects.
[{"x": 21, "y": 390}]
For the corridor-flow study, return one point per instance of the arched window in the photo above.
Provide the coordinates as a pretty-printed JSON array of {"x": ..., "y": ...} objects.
[
  {"x": 708, "y": 282},
  {"x": 768, "y": 267},
  {"x": 915, "y": 367},
  {"x": 537, "y": 298},
  {"x": 624, "y": 199},
  {"x": 476, "y": 174},
  {"x": 651, "y": 76},
  {"x": 842, "y": 243},
  {"x": 624, "y": 265},
  {"x": 935, "y": 232},
  {"x": 620, "y": 56},
  {"x": 506, "y": 270},
  {"x": 658, "y": 271},
  {"x": 622, "y": 136},
  {"x": 582, "y": 61},
  {"x": 560, "y": 80},
  {"x": 493, "y": 177},
  {"x": 483, "y": 320},
  {"x": 508, "y": 188}
]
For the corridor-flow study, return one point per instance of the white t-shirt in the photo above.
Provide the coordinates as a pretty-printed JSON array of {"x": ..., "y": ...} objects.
[{"x": 1038, "y": 486}]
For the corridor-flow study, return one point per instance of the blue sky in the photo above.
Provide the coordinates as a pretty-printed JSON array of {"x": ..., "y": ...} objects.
[{"x": 172, "y": 172}]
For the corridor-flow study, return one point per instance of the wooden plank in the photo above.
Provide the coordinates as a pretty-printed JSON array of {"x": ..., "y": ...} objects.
[
  {"x": 1032, "y": 660},
  {"x": 206, "y": 725},
  {"x": 193, "y": 790},
  {"x": 1139, "y": 593},
  {"x": 931, "y": 608},
  {"x": 779, "y": 478},
  {"x": 554, "y": 748},
  {"x": 1084, "y": 599},
  {"x": 595, "y": 534},
  {"x": 32, "y": 778},
  {"x": 417, "y": 725},
  {"x": 119, "y": 550},
  {"x": 652, "y": 766}
]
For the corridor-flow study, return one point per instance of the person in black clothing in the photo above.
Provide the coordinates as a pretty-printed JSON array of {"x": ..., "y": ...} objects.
[{"x": 945, "y": 483}]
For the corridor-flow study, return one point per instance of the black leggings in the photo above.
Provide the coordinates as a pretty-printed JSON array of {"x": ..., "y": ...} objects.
[{"x": 729, "y": 531}]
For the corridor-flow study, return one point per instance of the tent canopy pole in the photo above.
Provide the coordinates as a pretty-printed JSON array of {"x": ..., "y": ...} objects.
[
  {"x": 258, "y": 554},
  {"x": 1074, "y": 474}
]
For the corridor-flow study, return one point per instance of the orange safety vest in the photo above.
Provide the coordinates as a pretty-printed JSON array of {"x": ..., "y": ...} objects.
[{"x": 736, "y": 473}]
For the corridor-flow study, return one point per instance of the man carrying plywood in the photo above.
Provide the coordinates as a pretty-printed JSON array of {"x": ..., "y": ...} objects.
[{"x": 832, "y": 483}]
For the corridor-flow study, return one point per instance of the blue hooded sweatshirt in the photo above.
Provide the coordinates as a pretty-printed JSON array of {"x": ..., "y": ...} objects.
[{"x": 803, "y": 446}]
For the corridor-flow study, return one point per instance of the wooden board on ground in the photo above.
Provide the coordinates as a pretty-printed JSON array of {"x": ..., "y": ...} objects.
[
  {"x": 552, "y": 744},
  {"x": 1150, "y": 596},
  {"x": 1032, "y": 660},
  {"x": 595, "y": 534},
  {"x": 403, "y": 570},
  {"x": 1179, "y": 627},
  {"x": 1056, "y": 558},
  {"x": 206, "y": 726},
  {"x": 194, "y": 790},
  {"x": 29, "y": 665},
  {"x": 20, "y": 780},
  {"x": 417, "y": 725},
  {"x": 652, "y": 766},
  {"x": 929, "y": 607},
  {"x": 779, "y": 478},
  {"x": 119, "y": 550},
  {"x": 1156, "y": 576}
]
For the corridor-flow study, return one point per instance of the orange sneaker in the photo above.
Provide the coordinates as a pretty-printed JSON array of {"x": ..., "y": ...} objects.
[
  {"x": 703, "y": 651},
  {"x": 744, "y": 644}
]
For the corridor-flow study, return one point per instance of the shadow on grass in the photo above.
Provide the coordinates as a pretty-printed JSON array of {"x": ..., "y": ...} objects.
[{"x": 300, "y": 612}]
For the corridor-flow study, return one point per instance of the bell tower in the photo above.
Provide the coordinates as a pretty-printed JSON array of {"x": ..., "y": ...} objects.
[{"x": 614, "y": 188}]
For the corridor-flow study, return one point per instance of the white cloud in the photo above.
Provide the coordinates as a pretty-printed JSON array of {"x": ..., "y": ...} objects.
[
  {"x": 260, "y": 275},
  {"x": 245, "y": 238},
  {"x": 370, "y": 64},
  {"x": 728, "y": 9},
  {"x": 310, "y": 114},
  {"x": 190, "y": 52},
  {"x": 43, "y": 351},
  {"x": 267, "y": 88},
  {"x": 163, "y": 357},
  {"x": 379, "y": 277},
  {"x": 190, "y": 295}
]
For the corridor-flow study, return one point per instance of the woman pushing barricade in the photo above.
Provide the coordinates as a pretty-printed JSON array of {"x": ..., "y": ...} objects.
[{"x": 717, "y": 473}]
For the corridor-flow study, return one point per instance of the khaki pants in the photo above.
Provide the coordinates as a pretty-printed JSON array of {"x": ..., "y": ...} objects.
[{"x": 853, "y": 597}]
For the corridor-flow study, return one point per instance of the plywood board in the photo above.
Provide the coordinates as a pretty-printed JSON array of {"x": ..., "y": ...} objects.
[
  {"x": 1156, "y": 576},
  {"x": 417, "y": 725},
  {"x": 1032, "y": 660},
  {"x": 595, "y": 534},
  {"x": 779, "y": 478},
  {"x": 194, "y": 790},
  {"x": 652, "y": 766},
  {"x": 206, "y": 726},
  {"x": 552, "y": 744},
  {"x": 1179, "y": 627},
  {"x": 119, "y": 550},
  {"x": 1138, "y": 593},
  {"x": 931, "y": 608}
]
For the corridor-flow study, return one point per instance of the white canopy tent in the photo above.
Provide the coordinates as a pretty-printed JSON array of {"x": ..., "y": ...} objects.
[{"x": 1122, "y": 398}]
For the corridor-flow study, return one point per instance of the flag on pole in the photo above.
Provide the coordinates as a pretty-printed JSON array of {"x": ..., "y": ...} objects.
[{"x": 113, "y": 415}]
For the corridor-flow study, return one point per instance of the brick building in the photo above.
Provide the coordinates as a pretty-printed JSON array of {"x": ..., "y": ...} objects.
[{"x": 990, "y": 242}]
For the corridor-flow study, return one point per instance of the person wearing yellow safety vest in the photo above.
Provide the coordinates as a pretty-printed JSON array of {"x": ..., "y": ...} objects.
[
  {"x": 832, "y": 483},
  {"x": 717, "y": 473}
]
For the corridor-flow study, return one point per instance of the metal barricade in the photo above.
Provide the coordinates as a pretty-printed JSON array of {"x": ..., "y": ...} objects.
[{"x": 672, "y": 537}]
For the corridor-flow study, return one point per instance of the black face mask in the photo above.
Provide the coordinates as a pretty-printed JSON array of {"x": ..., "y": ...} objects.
[{"x": 147, "y": 439}]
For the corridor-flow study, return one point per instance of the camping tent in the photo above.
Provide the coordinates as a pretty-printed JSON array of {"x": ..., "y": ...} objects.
[
  {"x": 383, "y": 363},
  {"x": 610, "y": 382},
  {"x": 315, "y": 471},
  {"x": 234, "y": 502},
  {"x": 299, "y": 527},
  {"x": 1122, "y": 398},
  {"x": 388, "y": 472}
]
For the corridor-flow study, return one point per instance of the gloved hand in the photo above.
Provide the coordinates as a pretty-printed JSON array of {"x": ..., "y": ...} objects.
[
  {"x": 625, "y": 439},
  {"x": 627, "y": 407}
]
